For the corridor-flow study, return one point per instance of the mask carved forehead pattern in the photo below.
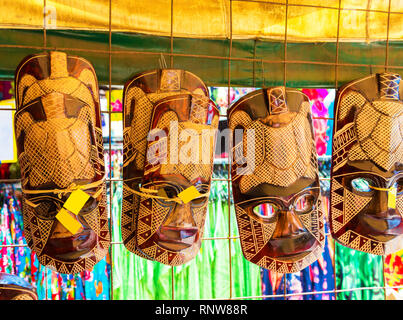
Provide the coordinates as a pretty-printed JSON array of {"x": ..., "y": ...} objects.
[
  {"x": 172, "y": 105},
  {"x": 367, "y": 165},
  {"x": 60, "y": 148},
  {"x": 275, "y": 180}
]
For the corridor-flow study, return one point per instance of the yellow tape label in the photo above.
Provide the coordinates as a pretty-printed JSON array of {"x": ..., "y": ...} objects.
[
  {"x": 189, "y": 194},
  {"x": 76, "y": 201},
  {"x": 69, "y": 222},
  {"x": 392, "y": 198}
]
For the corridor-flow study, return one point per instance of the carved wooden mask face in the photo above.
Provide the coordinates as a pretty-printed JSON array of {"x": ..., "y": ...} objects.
[
  {"x": 13, "y": 287},
  {"x": 367, "y": 165},
  {"x": 275, "y": 180},
  {"x": 59, "y": 142},
  {"x": 172, "y": 109}
]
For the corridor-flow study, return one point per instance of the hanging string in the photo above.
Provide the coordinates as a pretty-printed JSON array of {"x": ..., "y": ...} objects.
[{"x": 162, "y": 62}]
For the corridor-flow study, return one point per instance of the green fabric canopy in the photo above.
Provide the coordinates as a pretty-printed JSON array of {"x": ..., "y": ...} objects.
[{"x": 255, "y": 63}]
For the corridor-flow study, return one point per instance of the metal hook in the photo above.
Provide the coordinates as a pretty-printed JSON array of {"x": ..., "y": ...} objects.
[{"x": 263, "y": 73}]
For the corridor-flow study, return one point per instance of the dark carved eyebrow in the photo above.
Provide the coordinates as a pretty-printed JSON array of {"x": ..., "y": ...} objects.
[
  {"x": 304, "y": 191},
  {"x": 290, "y": 198},
  {"x": 364, "y": 174}
]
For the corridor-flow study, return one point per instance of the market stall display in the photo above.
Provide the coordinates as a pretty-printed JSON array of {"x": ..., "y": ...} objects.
[
  {"x": 275, "y": 179},
  {"x": 60, "y": 151},
  {"x": 169, "y": 138},
  {"x": 366, "y": 182},
  {"x": 339, "y": 240}
]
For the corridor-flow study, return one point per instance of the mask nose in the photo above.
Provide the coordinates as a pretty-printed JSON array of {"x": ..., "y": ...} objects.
[
  {"x": 61, "y": 231},
  {"x": 288, "y": 225},
  {"x": 180, "y": 216},
  {"x": 180, "y": 223},
  {"x": 381, "y": 217},
  {"x": 383, "y": 207}
]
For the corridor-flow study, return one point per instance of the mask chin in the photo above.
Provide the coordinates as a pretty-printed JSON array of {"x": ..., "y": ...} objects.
[
  {"x": 177, "y": 239},
  {"x": 380, "y": 228},
  {"x": 292, "y": 248},
  {"x": 68, "y": 247}
]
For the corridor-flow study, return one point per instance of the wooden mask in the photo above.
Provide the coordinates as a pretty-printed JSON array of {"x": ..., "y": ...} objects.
[
  {"x": 60, "y": 151},
  {"x": 13, "y": 287},
  {"x": 156, "y": 223},
  {"x": 275, "y": 179},
  {"x": 367, "y": 165}
]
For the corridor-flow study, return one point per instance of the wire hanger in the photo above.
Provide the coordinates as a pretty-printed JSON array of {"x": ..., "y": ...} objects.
[{"x": 162, "y": 62}]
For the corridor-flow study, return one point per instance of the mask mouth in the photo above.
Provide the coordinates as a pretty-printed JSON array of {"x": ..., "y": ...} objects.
[
  {"x": 73, "y": 247},
  {"x": 177, "y": 238},
  {"x": 293, "y": 247},
  {"x": 294, "y": 257},
  {"x": 382, "y": 228}
]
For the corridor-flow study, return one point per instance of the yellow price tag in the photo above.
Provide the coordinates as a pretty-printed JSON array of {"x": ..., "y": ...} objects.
[
  {"x": 189, "y": 194},
  {"x": 76, "y": 201},
  {"x": 392, "y": 198},
  {"x": 68, "y": 221},
  {"x": 392, "y": 191}
]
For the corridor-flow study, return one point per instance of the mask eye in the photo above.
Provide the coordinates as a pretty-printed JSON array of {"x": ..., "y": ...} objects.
[
  {"x": 399, "y": 186},
  {"x": 266, "y": 210},
  {"x": 362, "y": 184},
  {"x": 203, "y": 189},
  {"x": 304, "y": 203},
  {"x": 170, "y": 191},
  {"x": 199, "y": 201},
  {"x": 47, "y": 209},
  {"x": 89, "y": 206},
  {"x": 167, "y": 191}
]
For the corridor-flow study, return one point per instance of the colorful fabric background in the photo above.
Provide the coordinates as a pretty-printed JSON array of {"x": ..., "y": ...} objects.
[
  {"x": 210, "y": 274},
  {"x": 19, "y": 260}
]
